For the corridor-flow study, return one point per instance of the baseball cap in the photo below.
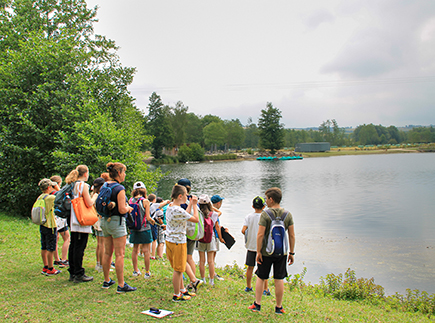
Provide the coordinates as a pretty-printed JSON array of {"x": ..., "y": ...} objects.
[
  {"x": 139, "y": 185},
  {"x": 216, "y": 198},
  {"x": 204, "y": 199},
  {"x": 46, "y": 183},
  {"x": 184, "y": 182},
  {"x": 258, "y": 202}
]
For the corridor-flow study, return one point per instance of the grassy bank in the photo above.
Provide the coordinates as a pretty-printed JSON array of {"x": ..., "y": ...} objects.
[{"x": 28, "y": 296}]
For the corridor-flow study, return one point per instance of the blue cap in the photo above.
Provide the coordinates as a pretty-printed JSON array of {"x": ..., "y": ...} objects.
[
  {"x": 184, "y": 182},
  {"x": 216, "y": 198}
]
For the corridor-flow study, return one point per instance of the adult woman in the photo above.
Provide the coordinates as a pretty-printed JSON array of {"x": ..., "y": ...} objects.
[
  {"x": 115, "y": 230},
  {"x": 79, "y": 233}
]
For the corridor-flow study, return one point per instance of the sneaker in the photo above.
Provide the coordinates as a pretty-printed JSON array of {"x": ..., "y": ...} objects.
[
  {"x": 127, "y": 288},
  {"x": 99, "y": 268},
  {"x": 106, "y": 285},
  {"x": 216, "y": 276},
  {"x": 65, "y": 263},
  {"x": 44, "y": 271},
  {"x": 137, "y": 273},
  {"x": 266, "y": 292},
  {"x": 153, "y": 258},
  {"x": 52, "y": 272},
  {"x": 248, "y": 289},
  {"x": 83, "y": 279},
  {"x": 112, "y": 265},
  {"x": 196, "y": 285},
  {"x": 190, "y": 294},
  {"x": 180, "y": 298},
  {"x": 147, "y": 275},
  {"x": 57, "y": 263},
  {"x": 255, "y": 307},
  {"x": 212, "y": 282},
  {"x": 279, "y": 310},
  {"x": 62, "y": 264},
  {"x": 71, "y": 278}
]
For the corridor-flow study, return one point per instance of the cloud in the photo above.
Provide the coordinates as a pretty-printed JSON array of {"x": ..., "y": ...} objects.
[{"x": 315, "y": 18}]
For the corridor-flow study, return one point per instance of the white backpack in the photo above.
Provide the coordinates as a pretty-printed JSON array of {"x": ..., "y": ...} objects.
[{"x": 38, "y": 211}]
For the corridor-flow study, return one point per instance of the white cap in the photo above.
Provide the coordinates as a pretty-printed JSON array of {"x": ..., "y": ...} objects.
[
  {"x": 204, "y": 199},
  {"x": 139, "y": 185}
]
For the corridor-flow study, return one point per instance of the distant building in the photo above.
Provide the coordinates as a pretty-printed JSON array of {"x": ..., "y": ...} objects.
[{"x": 313, "y": 147}]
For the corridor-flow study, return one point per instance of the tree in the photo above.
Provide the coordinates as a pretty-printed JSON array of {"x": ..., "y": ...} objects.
[
  {"x": 270, "y": 130},
  {"x": 214, "y": 134},
  {"x": 251, "y": 135},
  {"x": 234, "y": 133},
  {"x": 56, "y": 78},
  {"x": 194, "y": 129},
  {"x": 179, "y": 123},
  {"x": 159, "y": 125}
]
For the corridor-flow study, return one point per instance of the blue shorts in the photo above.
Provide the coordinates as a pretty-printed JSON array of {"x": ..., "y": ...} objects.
[
  {"x": 154, "y": 231},
  {"x": 141, "y": 237},
  {"x": 48, "y": 238},
  {"x": 113, "y": 227}
]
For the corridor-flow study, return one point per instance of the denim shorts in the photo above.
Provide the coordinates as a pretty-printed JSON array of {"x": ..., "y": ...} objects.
[{"x": 112, "y": 227}]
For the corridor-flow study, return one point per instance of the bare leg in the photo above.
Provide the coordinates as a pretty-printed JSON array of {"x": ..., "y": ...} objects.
[
  {"x": 160, "y": 250},
  {"x": 202, "y": 264},
  {"x": 56, "y": 253},
  {"x": 107, "y": 257},
  {"x": 119, "y": 246},
  {"x": 249, "y": 273},
  {"x": 259, "y": 290},
  {"x": 279, "y": 291},
  {"x": 177, "y": 282},
  {"x": 190, "y": 273},
  {"x": 191, "y": 263},
  {"x": 134, "y": 254},
  {"x": 146, "y": 255},
  {"x": 153, "y": 250},
  {"x": 44, "y": 257},
  {"x": 210, "y": 261},
  {"x": 65, "y": 245}
]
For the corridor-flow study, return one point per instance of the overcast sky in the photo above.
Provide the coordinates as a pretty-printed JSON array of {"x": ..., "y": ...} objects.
[{"x": 350, "y": 60}]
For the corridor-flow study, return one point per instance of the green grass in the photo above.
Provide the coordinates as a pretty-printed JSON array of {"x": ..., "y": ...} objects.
[{"x": 28, "y": 296}]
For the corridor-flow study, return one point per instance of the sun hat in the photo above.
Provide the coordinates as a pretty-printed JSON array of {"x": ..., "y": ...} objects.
[
  {"x": 204, "y": 199},
  {"x": 139, "y": 185},
  {"x": 258, "y": 202},
  {"x": 216, "y": 198}
]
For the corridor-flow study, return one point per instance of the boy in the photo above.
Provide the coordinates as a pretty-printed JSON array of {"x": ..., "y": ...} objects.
[
  {"x": 265, "y": 261},
  {"x": 176, "y": 247},
  {"x": 48, "y": 230},
  {"x": 217, "y": 203},
  {"x": 156, "y": 204},
  {"x": 250, "y": 230}
]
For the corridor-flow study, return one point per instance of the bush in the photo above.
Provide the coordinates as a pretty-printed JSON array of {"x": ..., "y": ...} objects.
[{"x": 221, "y": 157}]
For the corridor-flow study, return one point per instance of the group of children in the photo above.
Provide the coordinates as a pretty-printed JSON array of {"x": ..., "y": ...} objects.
[{"x": 182, "y": 209}]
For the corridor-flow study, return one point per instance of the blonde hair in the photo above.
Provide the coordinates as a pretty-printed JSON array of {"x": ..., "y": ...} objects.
[
  {"x": 177, "y": 190},
  {"x": 76, "y": 173},
  {"x": 57, "y": 179}
]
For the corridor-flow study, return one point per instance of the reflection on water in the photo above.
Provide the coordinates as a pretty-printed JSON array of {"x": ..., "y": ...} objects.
[{"x": 373, "y": 213}]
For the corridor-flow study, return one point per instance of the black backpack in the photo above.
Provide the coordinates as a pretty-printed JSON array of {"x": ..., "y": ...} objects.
[
  {"x": 103, "y": 200},
  {"x": 62, "y": 201}
]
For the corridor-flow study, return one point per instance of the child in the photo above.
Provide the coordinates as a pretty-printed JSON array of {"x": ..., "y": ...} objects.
[
  {"x": 217, "y": 204},
  {"x": 176, "y": 248},
  {"x": 48, "y": 230},
  {"x": 155, "y": 212},
  {"x": 141, "y": 238},
  {"x": 159, "y": 217},
  {"x": 264, "y": 260},
  {"x": 99, "y": 252},
  {"x": 212, "y": 247},
  {"x": 250, "y": 230}
]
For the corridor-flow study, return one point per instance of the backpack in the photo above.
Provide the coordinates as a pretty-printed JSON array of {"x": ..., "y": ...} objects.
[
  {"x": 277, "y": 242},
  {"x": 195, "y": 231},
  {"x": 134, "y": 222},
  {"x": 62, "y": 201},
  {"x": 38, "y": 211},
  {"x": 208, "y": 229},
  {"x": 103, "y": 200}
]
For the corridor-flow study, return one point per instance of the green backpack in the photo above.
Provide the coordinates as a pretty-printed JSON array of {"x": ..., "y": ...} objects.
[{"x": 38, "y": 211}]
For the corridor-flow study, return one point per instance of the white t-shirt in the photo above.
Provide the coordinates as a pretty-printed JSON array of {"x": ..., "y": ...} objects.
[
  {"x": 214, "y": 217},
  {"x": 176, "y": 222},
  {"x": 251, "y": 221},
  {"x": 75, "y": 225}
]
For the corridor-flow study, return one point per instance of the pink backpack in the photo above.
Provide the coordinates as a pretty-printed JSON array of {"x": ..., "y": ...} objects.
[{"x": 208, "y": 229}]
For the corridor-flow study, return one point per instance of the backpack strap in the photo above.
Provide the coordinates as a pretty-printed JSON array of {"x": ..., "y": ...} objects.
[{"x": 270, "y": 214}]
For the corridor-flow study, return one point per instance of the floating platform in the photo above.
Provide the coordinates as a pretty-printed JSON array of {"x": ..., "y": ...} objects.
[{"x": 281, "y": 158}]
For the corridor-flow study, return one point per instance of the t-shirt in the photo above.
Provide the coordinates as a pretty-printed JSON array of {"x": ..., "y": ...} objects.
[
  {"x": 215, "y": 218},
  {"x": 251, "y": 222},
  {"x": 176, "y": 218},
  {"x": 265, "y": 221},
  {"x": 114, "y": 197},
  {"x": 49, "y": 211}
]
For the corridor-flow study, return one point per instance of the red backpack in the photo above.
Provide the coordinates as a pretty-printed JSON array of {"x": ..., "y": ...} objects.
[{"x": 208, "y": 229}]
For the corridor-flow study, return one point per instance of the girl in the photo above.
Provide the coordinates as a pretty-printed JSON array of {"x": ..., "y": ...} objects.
[
  {"x": 79, "y": 233},
  {"x": 141, "y": 239},
  {"x": 207, "y": 210},
  {"x": 98, "y": 182},
  {"x": 115, "y": 230}
]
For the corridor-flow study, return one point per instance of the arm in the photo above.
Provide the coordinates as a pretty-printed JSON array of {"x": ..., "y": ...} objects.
[
  {"x": 260, "y": 237},
  {"x": 195, "y": 217},
  {"x": 219, "y": 212},
  {"x": 123, "y": 207},
  {"x": 218, "y": 230},
  {"x": 164, "y": 203},
  {"x": 146, "y": 206},
  {"x": 87, "y": 197},
  {"x": 244, "y": 229},
  {"x": 292, "y": 241}
]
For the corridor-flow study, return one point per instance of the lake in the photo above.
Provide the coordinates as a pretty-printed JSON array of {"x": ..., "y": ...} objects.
[{"x": 374, "y": 214}]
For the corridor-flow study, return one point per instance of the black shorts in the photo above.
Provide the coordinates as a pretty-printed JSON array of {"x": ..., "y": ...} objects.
[
  {"x": 48, "y": 238},
  {"x": 279, "y": 267},
  {"x": 65, "y": 228},
  {"x": 154, "y": 231},
  {"x": 251, "y": 258}
]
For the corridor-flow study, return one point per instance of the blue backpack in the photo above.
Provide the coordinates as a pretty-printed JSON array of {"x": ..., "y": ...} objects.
[
  {"x": 103, "y": 200},
  {"x": 277, "y": 242},
  {"x": 135, "y": 221}
]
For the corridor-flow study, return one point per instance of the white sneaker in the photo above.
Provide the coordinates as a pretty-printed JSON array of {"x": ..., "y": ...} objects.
[
  {"x": 147, "y": 275},
  {"x": 211, "y": 282},
  {"x": 99, "y": 268},
  {"x": 136, "y": 273},
  {"x": 216, "y": 276}
]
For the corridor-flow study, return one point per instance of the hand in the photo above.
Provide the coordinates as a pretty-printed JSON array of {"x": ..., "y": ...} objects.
[
  {"x": 291, "y": 259},
  {"x": 259, "y": 258},
  {"x": 164, "y": 226},
  {"x": 194, "y": 199},
  {"x": 222, "y": 240}
]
